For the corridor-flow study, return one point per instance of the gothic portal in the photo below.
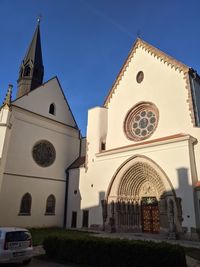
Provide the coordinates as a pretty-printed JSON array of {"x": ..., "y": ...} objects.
[{"x": 140, "y": 198}]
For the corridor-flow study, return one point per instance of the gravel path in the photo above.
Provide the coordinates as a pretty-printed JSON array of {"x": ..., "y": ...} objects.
[{"x": 192, "y": 262}]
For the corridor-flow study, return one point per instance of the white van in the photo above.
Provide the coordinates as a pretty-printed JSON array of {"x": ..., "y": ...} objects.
[{"x": 15, "y": 245}]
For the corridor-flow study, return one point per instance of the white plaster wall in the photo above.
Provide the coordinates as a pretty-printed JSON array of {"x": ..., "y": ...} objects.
[
  {"x": 13, "y": 188},
  {"x": 198, "y": 205},
  {"x": 4, "y": 118},
  {"x": 162, "y": 85},
  {"x": 39, "y": 100},
  {"x": 173, "y": 159},
  {"x": 96, "y": 130},
  {"x": 4, "y": 139},
  {"x": 89, "y": 196},
  {"x": 27, "y": 129},
  {"x": 74, "y": 199},
  {"x": 21, "y": 174},
  {"x": 166, "y": 88}
]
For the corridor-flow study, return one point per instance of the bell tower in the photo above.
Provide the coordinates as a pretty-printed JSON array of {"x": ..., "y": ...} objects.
[{"x": 31, "y": 70}]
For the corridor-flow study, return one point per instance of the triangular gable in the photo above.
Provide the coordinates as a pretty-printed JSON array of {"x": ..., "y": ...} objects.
[
  {"x": 39, "y": 100},
  {"x": 173, "y": 63}
]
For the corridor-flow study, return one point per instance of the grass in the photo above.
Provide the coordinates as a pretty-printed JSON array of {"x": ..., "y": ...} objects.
[{"x": 39, "y": 234}]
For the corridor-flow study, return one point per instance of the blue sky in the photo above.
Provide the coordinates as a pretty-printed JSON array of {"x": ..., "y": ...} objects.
[{"x": 85, "y": 42}]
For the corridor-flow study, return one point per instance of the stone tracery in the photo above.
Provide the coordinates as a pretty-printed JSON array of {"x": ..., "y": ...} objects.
[
  {"x": 137, "y": 182},
  {"x": 133, "y": 182}
]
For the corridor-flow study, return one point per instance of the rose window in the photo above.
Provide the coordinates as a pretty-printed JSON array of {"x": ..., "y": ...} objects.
[
  {"x": 44, "y": 153},
  {"x": 141, "y": 121}
]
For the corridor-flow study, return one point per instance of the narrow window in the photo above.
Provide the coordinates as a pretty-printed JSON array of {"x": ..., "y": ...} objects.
[
  {"x": 52, "y": 109},
  {"x": 25, "y": 207},
  {"x": 50, "y": 205},
  {"x": 85, "y": 218},
  {"x": 74, "y": 218},
  {"x": 27, "y": 71},
  {"x": 103, "y": 146}
]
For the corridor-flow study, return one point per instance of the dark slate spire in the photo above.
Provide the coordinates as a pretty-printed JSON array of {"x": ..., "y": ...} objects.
[{"x": 32, "y": 69}]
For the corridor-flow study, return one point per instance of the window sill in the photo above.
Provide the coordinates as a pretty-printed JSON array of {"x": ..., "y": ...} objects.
[
  {"x": 49, "y": 214},
  {"x": 24, "y": 214}
]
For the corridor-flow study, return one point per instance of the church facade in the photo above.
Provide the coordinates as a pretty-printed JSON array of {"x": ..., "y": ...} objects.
[
  {"x": 39, "y": 138},
  {"x": 138, "y": 167}
]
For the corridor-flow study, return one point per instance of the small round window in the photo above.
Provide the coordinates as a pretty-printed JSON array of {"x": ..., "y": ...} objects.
[
  {"x": 44, "y": 153},
  {"x": 140, "y": 77},
  {"x": 141, "y": 121}
]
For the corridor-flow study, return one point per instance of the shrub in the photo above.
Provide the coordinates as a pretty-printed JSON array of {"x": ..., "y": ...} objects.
[{"x": 101, "y": 252}]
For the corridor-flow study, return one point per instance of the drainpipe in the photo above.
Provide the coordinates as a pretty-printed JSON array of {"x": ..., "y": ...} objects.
[{"x": 66, "y": 198}]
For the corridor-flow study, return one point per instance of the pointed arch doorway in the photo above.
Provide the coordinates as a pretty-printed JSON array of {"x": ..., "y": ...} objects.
[{"x": 137, "y": 197}]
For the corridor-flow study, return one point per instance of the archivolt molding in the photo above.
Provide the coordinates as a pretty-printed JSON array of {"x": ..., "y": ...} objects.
[
  {"x": 128, "y": 181},
  {"x": 134, "y": 179},
  {"x": 170, "y": 61}
]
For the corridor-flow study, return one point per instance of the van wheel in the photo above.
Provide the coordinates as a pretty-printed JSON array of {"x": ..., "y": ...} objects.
[{"x": 26, "y": 262}]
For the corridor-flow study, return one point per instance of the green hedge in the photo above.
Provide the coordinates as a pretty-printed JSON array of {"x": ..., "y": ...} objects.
[{"x": 101, "y": 252}]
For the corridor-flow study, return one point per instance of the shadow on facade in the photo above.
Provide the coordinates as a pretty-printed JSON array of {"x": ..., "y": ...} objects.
[{"x": 145, "y": 212}]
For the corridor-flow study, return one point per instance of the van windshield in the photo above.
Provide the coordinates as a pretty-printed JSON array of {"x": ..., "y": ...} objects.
[{"x": 17, "y": 236}]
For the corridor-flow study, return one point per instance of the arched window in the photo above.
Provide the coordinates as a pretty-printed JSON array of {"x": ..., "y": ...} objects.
[
  {"x": 27, "y": 71},
  {"x": 52, "y": 109},
  {"x": 25, "y": 207},
  {"x": 50, "y": 205}
]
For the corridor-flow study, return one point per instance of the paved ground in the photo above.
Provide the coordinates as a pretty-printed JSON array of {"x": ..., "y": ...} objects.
[
  {"x": 40, "y": 263},
  {"x": 37, "y": 263},
  {"x": 152, "y": 237}
]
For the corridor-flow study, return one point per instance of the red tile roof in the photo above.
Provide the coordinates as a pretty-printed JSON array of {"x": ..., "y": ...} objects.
[{"x": 79, "y": 162}]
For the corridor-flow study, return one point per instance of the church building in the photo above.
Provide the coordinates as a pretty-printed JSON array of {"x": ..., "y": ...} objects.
[
  {"x": 137, "y": 170},
  {"x": 39, "y": 139}
]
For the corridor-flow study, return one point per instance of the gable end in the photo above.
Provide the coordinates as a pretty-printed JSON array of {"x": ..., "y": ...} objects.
[{"x": 173, "y": 63}]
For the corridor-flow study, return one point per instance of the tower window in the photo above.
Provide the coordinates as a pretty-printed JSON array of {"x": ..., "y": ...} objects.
[
  {"x": 103, "y": 146},
  {"x": 27, "y": 71},
  {"x": 52, "y": 109}
]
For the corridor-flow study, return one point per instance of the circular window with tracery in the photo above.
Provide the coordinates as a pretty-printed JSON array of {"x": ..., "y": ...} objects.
[
  {"x": 141, "y": 121},
  {"x": 44, "y": 153}
]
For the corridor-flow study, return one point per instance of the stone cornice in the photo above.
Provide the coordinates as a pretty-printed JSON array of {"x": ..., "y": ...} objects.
[
  {"x": 150, "y": 143},
  {"x": 34, "y": 177},
  {"x": 43, "y": 117}
]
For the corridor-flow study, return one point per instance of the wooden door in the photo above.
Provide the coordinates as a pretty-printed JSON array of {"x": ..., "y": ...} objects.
[
  {"x": 85, "y": 218},
  {"x": 150, "y": 218}
]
